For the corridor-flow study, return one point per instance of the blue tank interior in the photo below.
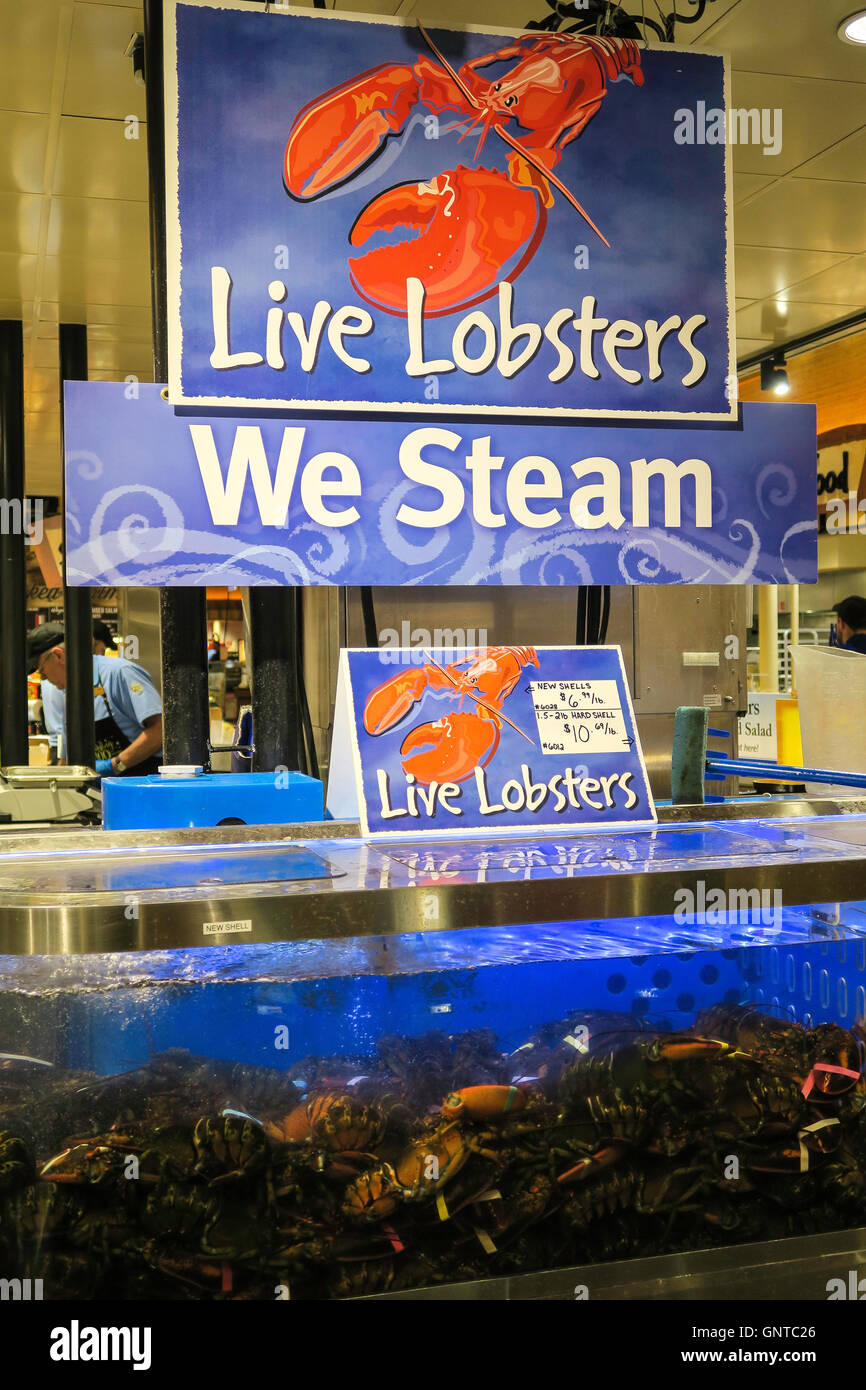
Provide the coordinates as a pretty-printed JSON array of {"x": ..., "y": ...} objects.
[{"x": 274, "y": 1004}]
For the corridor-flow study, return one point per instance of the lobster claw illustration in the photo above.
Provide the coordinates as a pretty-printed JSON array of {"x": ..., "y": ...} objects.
[
  {"x": 474, "y": 225},
  {"x": 450, "y": 748},
  {"x": 468, "y": 228}
]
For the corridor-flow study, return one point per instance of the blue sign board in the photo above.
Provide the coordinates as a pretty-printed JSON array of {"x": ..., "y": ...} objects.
[
  {"x": 366, "y": 213},
  {"x": 159, "y": 496},
  {"x": 496, "y": 738}
]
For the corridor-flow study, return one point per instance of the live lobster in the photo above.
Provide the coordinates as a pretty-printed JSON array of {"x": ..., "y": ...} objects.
[{"x": 474, "y": 227}]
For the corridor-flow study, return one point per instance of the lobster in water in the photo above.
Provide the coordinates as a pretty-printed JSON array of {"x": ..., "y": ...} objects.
[
  {"x": 827, "y": 1061},
  {"x": 449, "y": 749},
  {"x": 471, "y": 227}
]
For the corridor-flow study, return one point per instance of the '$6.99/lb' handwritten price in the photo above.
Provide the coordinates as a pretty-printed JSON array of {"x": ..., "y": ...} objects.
[{"x": 579, "y": 717}]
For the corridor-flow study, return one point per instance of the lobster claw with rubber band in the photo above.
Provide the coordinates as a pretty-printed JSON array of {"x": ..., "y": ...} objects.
[{"x": 470, "y": 228}]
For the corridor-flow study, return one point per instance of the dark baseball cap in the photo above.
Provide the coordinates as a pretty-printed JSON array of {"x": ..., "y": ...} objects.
[
  {"x": 102, "y": 633},
  {"x": 41, "y": 640},
  {"x": 852, "y": 611}
]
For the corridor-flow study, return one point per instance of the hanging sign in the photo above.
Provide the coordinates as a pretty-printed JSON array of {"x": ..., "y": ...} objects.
[
  {"x": 369, "y": 213},
  {"x": 494, "y": 739},
  {"x": 158, "y": 496}
]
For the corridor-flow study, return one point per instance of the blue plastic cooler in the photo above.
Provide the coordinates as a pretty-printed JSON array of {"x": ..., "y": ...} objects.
[{"x": 229, "y": 798}]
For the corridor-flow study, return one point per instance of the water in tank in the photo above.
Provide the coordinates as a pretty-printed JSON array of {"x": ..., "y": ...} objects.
[{"x": 334, "y": 1119}]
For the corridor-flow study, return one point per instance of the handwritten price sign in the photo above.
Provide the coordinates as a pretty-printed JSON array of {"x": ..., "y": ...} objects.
[{"x": 579, "y": 717}]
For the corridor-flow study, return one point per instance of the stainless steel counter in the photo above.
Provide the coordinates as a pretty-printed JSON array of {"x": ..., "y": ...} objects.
[{"x": 94, "y": 891}]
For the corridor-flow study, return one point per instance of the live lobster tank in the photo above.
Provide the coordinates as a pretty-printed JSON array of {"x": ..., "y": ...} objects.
[{"x": 241, "y": 1064}]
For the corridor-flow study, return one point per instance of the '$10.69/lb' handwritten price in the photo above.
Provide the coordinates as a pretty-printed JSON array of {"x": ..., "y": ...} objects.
[{"x": 579, "y": 717}]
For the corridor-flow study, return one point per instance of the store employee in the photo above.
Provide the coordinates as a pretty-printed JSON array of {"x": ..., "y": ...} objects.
[
  {"x": 851, "y": 623},
  {"x": 127, "y": 710}
]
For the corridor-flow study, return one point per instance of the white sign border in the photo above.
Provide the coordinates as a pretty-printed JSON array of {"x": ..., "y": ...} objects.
[
  {"x": 174, "y": 250},
  {"x": 348, "y": 807}
]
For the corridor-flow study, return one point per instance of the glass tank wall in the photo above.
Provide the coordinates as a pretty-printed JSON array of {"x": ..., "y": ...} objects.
[{"x": 330, "y": 1119}]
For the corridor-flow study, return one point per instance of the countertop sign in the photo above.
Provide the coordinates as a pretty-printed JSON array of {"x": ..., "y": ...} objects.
[{"x": 493, "y": 739}]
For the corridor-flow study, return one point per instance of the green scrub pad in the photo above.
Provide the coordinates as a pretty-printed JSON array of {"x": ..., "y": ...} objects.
[{"x": 689, "y": 755}]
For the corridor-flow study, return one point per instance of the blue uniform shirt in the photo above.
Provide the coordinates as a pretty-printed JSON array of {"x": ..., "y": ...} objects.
[
  {"x": 130, "y": 696},
  {"x": 53, "y": 711}
]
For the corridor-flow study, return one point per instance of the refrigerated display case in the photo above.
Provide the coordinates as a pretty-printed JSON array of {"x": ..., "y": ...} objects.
[{"x": 285, "y": 1062}]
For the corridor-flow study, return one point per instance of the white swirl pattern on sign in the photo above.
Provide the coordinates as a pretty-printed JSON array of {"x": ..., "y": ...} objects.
[{"x": 137, "y": 536}]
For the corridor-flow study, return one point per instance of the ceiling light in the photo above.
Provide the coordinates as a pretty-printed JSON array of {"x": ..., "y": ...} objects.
[
  {"x": 135, "y": 51},
  {"x": 853, "y": 29},
  {"x": 774, "y": 376}
]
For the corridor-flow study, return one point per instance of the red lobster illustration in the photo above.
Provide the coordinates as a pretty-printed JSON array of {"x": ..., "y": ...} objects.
[
  {"x": 469, "y": 224},
  {"x": 450, "y": 748}
]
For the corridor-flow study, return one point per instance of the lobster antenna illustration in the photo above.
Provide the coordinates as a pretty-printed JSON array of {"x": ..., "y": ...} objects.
[
  {"x": 509, "y": 140},
  {"x": 490, "y": 710}
]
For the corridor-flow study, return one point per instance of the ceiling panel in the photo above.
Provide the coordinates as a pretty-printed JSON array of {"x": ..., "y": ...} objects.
[
  {"x": 36, "y": 401},
  {"x": 779, "y": 321},
  {"x": 144, "y": 373},
  {"x": 136, "y": 319},
  {"x": 510, "y": 14},
  {"x": 122, "y": 357},
  {"x": 43, "y": 352},
  {"x": 105, "y": 226},
  {"x": 806, "y": 213},
  {"x": 760, "y": 271},
  {"x": 42, "y": 380},
  {"x": 746, "y": 346},
  {"x": 44, "y": 428},
  {"x": 846, "y": 161},
  {"x": 813, "y": 117},
  {"x": 23, "y": 142},
  {"x": 99, "y": 79},
  {"x": 75, "y": 280},
  {"x": 29, "y": 43},
  {"x": 14, "y": 309},
  {"x": 842, "y": 284},
  {"x": 747, "y": 185},
  {"x": 17, "y": 276},
  {"x": 96, "y": 160},
  {"x": 19, "y": 222},
  {"x": 786, "y": 36},
  {"x": 96, "y": 315}
]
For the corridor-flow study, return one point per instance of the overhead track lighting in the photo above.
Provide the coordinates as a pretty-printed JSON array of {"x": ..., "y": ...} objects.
[
  {"x": 774, "y": 376},
  {"x": 135, "y": 51}
]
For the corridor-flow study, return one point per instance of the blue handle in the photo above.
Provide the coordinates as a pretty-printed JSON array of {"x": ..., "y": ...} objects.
[{"x": 773, "y": 772}]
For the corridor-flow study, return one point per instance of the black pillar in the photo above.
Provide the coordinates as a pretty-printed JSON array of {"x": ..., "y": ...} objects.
[
  {"x": 182, "y": 611},
  {"x": 13, "y": 675},
  {"x": 277, "y": 730},
  {"x": 77, "y": 609}
]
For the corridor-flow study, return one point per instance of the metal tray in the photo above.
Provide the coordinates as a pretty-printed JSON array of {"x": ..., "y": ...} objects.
[{"x": 65, "y": 776}]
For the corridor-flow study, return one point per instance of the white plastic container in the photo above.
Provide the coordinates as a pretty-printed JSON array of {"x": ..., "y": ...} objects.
[{"x": 831, "y": 688}]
